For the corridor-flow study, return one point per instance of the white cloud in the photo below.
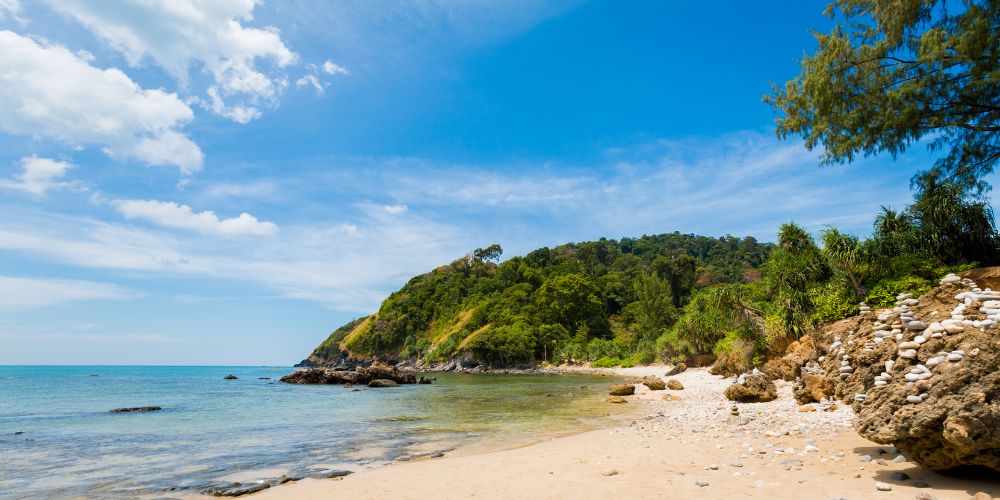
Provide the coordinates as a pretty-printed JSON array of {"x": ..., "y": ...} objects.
[
  {"x": 47, "y": 91},
  {"x": 39, "y": 175},
  {"x": 313, "y": 81},
  {"x": 396, "y": 209},
  {"x": 180, "y": 35},
  {"x": 31, "y": 293},
  {"x": 171, "y": 214},
  {"x": 334, "y": 69}
]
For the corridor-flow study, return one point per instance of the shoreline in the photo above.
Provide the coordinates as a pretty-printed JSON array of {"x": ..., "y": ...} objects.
[{"x": 773, "y": 450}]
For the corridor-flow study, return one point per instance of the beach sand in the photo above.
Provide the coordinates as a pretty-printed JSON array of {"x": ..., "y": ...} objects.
[{"x": 665, "y": 452}]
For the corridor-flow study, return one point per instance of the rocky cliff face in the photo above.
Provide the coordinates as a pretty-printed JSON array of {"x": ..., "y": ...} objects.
[{"x": 923, "y": 376}]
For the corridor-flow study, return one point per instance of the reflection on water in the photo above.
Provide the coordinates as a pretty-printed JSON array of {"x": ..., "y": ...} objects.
[{"x": 213, "y": 430}]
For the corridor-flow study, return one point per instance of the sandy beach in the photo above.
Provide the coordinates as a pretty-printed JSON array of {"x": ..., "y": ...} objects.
[{"x": 681, "y": 444}]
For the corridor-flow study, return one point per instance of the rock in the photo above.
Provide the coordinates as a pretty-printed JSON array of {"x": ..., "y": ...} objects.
[
  {"x": 235, "y": 490},
  {"x": 866, "y": 458},
  {"x": 617, "y": 399},
  {"x": 883, "y": 487},
  {"x": 381, "y": 382},
  {"x": 899, "y": 476},
  {"x": 756, "y": 388},
  {"x": 812, "y": 387},
  {"x": 138, "y": 409},
  {"x": 230, "y": 377},
  {"x": 948, "y": 420},
  {"x": 654, "y": 383},
  {"x": 701, "y": 483},
  {"x": 899, "y": 459},
  {"x": 611, "y": 472},
  {"x": 920, "y": 484},
  {"x": 423, "y": 380},
  {"x": 330, "y": 474},
  {"x": 622, "y": 390},
  {"x": 678, "y": 368},
  {"x": 675, "y": 385},
  {"x": 787, "y": 366},
  {"x": 713, "y": 467},
  {"x": 359, "y": 375},
  {"x": 923, "y": 495},
  {"x": 806, "y": 409}
]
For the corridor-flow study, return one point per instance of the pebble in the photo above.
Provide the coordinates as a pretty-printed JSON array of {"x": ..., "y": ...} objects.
[
  {"x": 920, "y": 484},
  {"x": 900, "y": 458},
  {"x": 908, "y": 353},
  {"x": 811, "y": 449},
  {"x": 899, "y": 476},
  {"x": 913, "y": 399},
  {"x": 866, "y": 458},
  {"x": 883, "y": 487},
  {"x": 701, "y": 483},
  {"x": 713, "y": 467},
  {"x": 923, "y": 495},
  {"x": 736, "y": 463}
]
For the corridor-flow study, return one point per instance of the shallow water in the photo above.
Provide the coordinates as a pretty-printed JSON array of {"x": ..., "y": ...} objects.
[{"x": 212, "y": 430}]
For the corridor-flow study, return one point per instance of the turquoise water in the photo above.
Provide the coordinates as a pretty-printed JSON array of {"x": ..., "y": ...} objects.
[{"x": 211, "y": 430}]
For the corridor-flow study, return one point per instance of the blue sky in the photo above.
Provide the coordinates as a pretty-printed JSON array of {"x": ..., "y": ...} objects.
[{"x": 225, "y": 183}]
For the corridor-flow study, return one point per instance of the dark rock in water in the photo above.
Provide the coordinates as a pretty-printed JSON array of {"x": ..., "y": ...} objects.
[
  {"x": 678, "y": 368},
  {"x": 330, "y": 474},
  {"x": 93, "y": 375},
  {"x": 17, "y": 433},
  {"x": 138, "y": 409},
  {"x": 622, "y": 390},
  {"x": 230, "y": 377},
  {"x": 423, "y": 380},
  {"x": 654, "y": 383},
  {"x": 263, "y": 378},
  {"x": 235, "y": 490},
  {"x": 360, "y": 375},
  {"x": 381, "y": 382},
  {"x": 752, "y": 388}
]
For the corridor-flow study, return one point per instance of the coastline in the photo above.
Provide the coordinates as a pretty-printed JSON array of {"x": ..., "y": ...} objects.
[{"x": 773, "y": 450}]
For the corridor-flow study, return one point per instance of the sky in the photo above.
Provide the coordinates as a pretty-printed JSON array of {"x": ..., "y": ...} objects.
[{"x": 226, "y": 182}]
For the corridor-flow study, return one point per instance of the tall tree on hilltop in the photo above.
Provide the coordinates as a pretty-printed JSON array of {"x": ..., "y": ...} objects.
[{"x": 893, "y": 72}]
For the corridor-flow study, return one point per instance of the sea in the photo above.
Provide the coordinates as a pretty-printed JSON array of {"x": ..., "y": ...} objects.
[{"x": 58, "y": 438}]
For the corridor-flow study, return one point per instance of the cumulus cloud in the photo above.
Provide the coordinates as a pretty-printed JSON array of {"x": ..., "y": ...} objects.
[
  {"x": 47, "y": 91},
  {"x": 170, "y": 214},
  {"x": 31, "y": 293},
  {"x": 39, "y": 175},
  {"x": 396, "y": 209},
  {"x": 334, "y": 69},
  {"x": 180, "y": 35}
]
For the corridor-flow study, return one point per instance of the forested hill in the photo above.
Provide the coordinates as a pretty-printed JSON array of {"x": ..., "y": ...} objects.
[{"x": 577, "y": 301}]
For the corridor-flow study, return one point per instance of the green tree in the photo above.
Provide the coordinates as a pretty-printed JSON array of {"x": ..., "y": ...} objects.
[
  {"x": 892, "y": 72},
  {"x": 846, "y": 253},
  {"x": 952, "y": 225},
  {"x": 571, "y": 300}
]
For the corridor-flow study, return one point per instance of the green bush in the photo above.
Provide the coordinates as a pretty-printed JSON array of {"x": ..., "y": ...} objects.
[
  {"x": 884, "y": 293},
  {"x": 606, "y": 362}
]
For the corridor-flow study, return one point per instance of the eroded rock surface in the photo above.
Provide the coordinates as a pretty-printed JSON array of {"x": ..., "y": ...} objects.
[
  {"x": 923, "y": 376},
  {"x": 754, "y": 387},
  {"x": 359, "y": 376}
]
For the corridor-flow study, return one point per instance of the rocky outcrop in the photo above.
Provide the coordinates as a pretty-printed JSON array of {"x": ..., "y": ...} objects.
[
  {"x": 923, "y": 376},
  {"x": 359, "y": 376},
  {"x": 381, "y": 382},
  {"x": 138, "y": 409},
  {"x": 675, "y": 385},
  {"x": 812, "y": 386},
  {"x": 752, "y": 387},
  {"x": 622, "y": 390},
  {"x": 678, "y": 368},
  {"x": 787, "y": 366},
  {"x": 654, "y": 383}
]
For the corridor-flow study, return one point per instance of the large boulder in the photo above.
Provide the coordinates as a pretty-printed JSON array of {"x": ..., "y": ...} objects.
[
  {"x": 752, "y": 387},
  {"x": 678, "y": 368},
  {"x": 654, "y": 383},
  {"x": 360, "y": 375},
  {"x": 787, "y": 366},
  {"x": 812, "y": 386},
  {"x": 622, "y": 390},
  {"x": 925, "y": 375},
  {"x": 675, "y": 385}
]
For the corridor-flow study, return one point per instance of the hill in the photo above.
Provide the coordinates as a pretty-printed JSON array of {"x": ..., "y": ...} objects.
[{"x": 574, "y": 302}]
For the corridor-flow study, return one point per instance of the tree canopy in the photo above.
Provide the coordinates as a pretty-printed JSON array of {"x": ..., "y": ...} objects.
[{"x": 894, "y": 72}]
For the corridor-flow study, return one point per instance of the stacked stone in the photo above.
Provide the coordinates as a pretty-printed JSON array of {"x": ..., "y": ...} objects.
[{"x": 864, "y": 308}]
